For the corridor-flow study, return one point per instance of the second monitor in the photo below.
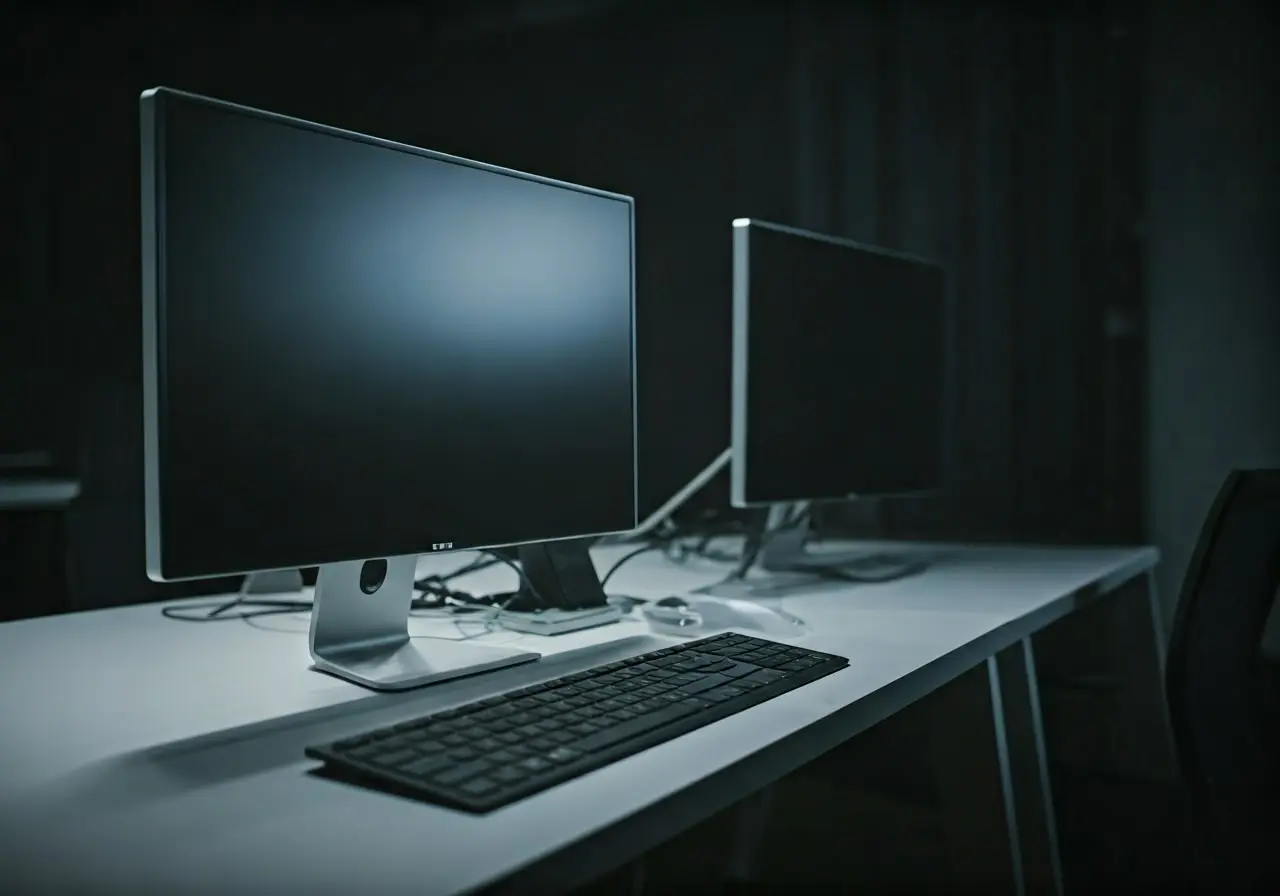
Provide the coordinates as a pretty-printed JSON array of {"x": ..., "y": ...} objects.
[{"x": 838, "y": 379}]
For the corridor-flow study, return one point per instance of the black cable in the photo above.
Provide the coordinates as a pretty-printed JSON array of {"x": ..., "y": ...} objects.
[
  {"x": 524, "y": 580},
  {"x": 443, "y": 597},
  {"x": 217, "y": 612},
  {"x": 250, "y": 607},
  {"x": 899, "y": 567},
  {"x": 426, "y": 583},
  {"x": 674, "y": 549},
  {"x": 678, "y": 550},
  {"x": 756, "y": 543},
  {"x": 627, "y": 558},
  {"x": 241, "y": 599},
  {"x": 436, "y": 595},
  {"x": 435, "y": 591},
  {"x": 907, "y": 568}
]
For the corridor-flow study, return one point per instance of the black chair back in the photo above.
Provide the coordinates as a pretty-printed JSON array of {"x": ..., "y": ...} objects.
[{"x": 1224, "y": 740}]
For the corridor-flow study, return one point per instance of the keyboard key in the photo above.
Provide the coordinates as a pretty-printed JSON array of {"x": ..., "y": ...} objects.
[
  {"x": 626, "y": 730},
  {"x": 737, "y": 670},
  {"x": 705, "y": 684},
  {"x": 460, "y": 773},
  {"x": 399, "y": 757},
  {"x": 478, "y": 787},
  {"x": 421, "y": 768}
]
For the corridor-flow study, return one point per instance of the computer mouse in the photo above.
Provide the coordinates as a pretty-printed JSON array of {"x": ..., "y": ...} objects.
[{"x": 672, "y": 615}]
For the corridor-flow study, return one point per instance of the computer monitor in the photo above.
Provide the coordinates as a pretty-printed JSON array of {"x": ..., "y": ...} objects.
[
  {"x": 838, "y": 379},
  {"x": 357, "y": 351}
]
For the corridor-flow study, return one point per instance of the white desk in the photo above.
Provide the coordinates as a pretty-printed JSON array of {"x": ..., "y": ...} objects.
[{"x": 140, "y": 754}]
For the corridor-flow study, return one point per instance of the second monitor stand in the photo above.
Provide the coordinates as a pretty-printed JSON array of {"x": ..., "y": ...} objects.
[
  {"x": 785, "y": 549},
  {"x": 560, "y": 591},
  {"x": 779, "y": 548},
  {"x": 360, "y": 631}
]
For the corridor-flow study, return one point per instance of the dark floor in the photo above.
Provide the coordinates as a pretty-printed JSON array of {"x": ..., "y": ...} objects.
[{"x": 1122, "y": 835}]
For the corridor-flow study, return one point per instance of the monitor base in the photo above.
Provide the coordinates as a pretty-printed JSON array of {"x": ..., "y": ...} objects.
[
  {"x": 770, "y": 584},
  {"x": 360, "y": 631}
]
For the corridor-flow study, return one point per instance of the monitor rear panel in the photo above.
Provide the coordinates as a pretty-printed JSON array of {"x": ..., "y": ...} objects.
[{"x": 839, "y": 364}]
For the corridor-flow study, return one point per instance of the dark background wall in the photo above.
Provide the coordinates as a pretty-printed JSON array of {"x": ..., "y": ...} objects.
[
  {"x": 1213, "y": 263},
  {"x": 1007, "y": 144}
]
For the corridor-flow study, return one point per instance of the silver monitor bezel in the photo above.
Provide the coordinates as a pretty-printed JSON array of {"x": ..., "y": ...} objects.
[
  {"x": 742, "y": 228},
  {"x": 152, "y": 165}
]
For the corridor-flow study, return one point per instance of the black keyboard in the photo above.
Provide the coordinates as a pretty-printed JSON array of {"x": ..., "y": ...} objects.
[{"x": 493, "y": 752}]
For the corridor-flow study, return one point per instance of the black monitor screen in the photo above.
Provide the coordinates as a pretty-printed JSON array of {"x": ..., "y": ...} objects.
[
  {"x": 357, "y": 349},
  {"x": 839, "y": 355}
]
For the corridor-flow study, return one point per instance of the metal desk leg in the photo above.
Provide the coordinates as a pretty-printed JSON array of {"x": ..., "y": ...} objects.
[
  {"x": 988, "y": 753},
  {"x": 1033, "y": 830}
]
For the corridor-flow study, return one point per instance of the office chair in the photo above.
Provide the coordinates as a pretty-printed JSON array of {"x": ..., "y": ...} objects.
[{"x": 1224, "y": 734}]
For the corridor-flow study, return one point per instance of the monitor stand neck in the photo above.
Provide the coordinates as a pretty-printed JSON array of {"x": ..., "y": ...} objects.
[
  {"x": 786, "y": 534},
  {"x": 786, "y": 547},
  {"x": 360, "y": 631},
  {"x": 560, "y": 591}
]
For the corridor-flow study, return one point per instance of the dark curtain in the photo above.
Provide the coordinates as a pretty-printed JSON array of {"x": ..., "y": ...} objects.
[{"x": 1007, "y": 146}]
